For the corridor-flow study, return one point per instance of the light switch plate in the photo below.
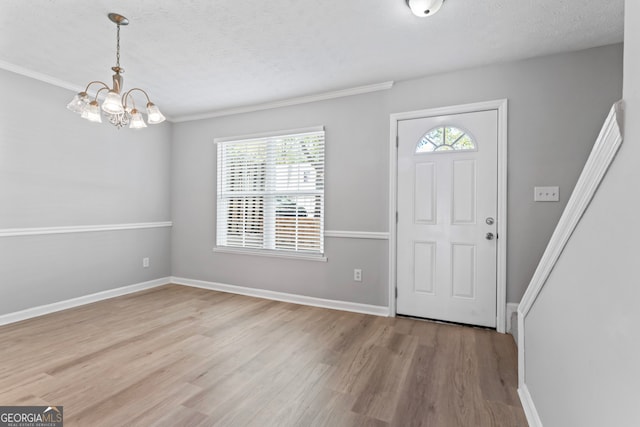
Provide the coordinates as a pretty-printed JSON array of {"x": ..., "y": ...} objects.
[{"x": 546, "y": 194}]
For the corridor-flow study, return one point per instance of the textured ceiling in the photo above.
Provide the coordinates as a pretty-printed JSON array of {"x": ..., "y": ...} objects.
[{"x": 197, "y": 56}]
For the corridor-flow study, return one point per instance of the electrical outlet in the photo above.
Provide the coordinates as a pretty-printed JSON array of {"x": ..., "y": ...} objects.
[
  {"x": 145, "y": 262},
  {"x": 357, "y": 275},
  {"x": 546, "y": 194}
]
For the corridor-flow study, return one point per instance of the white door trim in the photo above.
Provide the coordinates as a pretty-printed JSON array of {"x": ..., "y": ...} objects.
[{"x": 501, "y": 106}]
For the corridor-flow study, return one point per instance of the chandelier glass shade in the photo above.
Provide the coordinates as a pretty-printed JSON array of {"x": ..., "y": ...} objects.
[{"x": 117, "y": 106}]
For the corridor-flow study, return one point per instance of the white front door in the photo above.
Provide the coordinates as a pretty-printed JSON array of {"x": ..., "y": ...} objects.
[{"x": 447, "y": 217}]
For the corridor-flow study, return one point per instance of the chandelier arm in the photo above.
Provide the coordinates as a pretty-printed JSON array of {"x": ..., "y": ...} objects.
[
  {"x": 126, "y": 95},
  {"x": 96, "y": 82},
  {"x": 100, "y": 90}
]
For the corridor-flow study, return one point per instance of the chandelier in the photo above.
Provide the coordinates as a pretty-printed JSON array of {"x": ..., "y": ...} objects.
[{"x": 118, "y": 107}]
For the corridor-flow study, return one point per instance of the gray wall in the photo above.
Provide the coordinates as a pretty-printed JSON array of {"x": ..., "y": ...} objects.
[
  {"x": 582, "y": 341},
  {"x": 59, "y": 170},
  {"x": 556, "y": 107},
  {"x": 355, "y": 192}
]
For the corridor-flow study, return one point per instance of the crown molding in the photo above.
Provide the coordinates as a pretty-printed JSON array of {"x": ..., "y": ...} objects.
[
  {"x": 39, "y": 76},
  {"x": 287, "y": 102},
  {"x": 358, "y": 90},
  {"x": 45, "y": 78}
]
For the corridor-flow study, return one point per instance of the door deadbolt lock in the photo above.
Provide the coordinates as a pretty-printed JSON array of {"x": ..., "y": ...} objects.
[
  {"x": 490, "y": 221},
  {"x": 489, "y": 236}
]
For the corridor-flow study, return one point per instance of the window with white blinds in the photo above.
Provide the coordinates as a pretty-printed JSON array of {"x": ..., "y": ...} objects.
[{"x": 270, "y": 192}]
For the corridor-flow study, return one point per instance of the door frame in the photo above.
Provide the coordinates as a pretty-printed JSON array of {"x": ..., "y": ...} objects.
[{"x": 500, "y": 105}]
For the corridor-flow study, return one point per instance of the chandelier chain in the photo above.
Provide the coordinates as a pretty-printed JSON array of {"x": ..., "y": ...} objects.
[{"x": 118, "y": 47}]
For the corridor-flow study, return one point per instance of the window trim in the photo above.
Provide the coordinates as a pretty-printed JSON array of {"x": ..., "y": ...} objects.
[
  {"x": 271, "y": 253},
  {"x": 308, "y": 256},
  {"x": 267, "y": 135}
]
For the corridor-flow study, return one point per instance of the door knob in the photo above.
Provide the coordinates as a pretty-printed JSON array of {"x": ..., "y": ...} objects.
[{"x": 489, "y": 236}]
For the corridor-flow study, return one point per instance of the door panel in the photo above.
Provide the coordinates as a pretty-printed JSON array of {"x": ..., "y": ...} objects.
[
  {"x": 425, "y": 199},
  {"x": 446, "y": 266},
  {"x": 464, "y": 192},
  {"x": 463, "y": 270},
  {"x": 424, "y": 260}
]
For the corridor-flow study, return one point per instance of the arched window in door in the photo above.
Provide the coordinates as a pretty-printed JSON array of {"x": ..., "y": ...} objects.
[{"x": 444, "y": 139}]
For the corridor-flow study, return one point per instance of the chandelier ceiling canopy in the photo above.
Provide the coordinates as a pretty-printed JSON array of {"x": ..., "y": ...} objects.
[{"x": 117, "y": 106}]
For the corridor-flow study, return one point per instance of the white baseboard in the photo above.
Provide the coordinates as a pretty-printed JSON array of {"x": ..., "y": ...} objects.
[
  {"x": 29, "y": 313},
  {"x": 529, "y": 407},
  {"x": 512, "y": 307},
  {"x": 285, "y": 297}
]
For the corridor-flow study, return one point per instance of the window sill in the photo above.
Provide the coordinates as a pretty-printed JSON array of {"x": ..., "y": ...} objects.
[{"x": 272, "y": 254}]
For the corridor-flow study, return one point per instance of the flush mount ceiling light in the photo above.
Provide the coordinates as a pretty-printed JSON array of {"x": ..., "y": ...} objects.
[
  {"x": 118, "y": 107},
  {"x": 424, "y": 7}
]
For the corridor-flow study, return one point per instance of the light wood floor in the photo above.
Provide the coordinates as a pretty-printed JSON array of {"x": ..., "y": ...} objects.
[{"x": 179, "y": 356}]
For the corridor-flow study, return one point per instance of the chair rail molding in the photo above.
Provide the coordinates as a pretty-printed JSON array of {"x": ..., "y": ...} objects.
[
  {"x": 377, "y": 235},
  {"x": 602, "y": 154},
  {"x": 37, "y": 231}
]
